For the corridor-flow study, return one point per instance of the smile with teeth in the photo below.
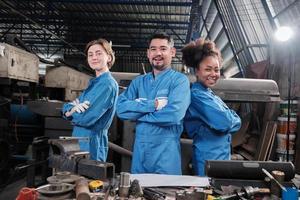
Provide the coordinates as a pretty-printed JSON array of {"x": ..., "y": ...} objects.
[
  {"x": 158, "y": 59},
  {"x": 210, "y": 78}
]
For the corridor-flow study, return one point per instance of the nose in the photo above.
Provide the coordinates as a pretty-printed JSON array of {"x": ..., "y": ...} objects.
[
  {"x": 94, "y": 56},
  {"x": 158, "y": 52}
]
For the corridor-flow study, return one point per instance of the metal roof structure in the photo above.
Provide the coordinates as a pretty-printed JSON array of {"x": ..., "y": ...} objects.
[{"x": 63, "y": 27}]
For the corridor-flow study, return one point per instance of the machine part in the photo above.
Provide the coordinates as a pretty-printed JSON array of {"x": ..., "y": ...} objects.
[
  {"x": 246, "y": 89},
  {"x": 56, "y": 197},
  {"x": 63, "y": 163},
  {"x": 180, "y": 195},
  {"x": 251, "y": 170},
  {"x": 66, "y": 156},
  {"x": 18, "y": 64},
  {"x": 119, "y": 149},
  {"x": 278, "y": 175},
  {"x": 275, "y": 188},
  {"x": 48, "y": 108},
  {"x": 135, "y": 189},
  {"x": 39, "y": 160},
  {"x": 247, "y": 192},
  {"x": 273, "y": 179},
  {"x": 190, "y": 195},
  {"x": 124, "y": 184},
  {"x": 152, "y": 194},
  {"x": 95, "y": 185},
  {"x": 112, "y": 188},
  {"x": 64, "y": 146},
  {"x": 64, "y": 77},
  {"x": 96, "y": 169},
  {"x": 196, "y": 194},
  {"x": 55, "y": 123},
  {"x": 200, "y": 194},
  {"x": 58, "y": 191},
  {"x": 82, "y": 189},
  {"x": 63, "y": 177}
]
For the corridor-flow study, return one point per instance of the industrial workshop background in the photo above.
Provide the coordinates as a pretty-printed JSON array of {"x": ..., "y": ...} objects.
[{"x": 42, "y": 65}]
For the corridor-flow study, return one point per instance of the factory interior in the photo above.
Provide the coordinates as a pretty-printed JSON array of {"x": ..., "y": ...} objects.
[{"x": 43, "y": 65}]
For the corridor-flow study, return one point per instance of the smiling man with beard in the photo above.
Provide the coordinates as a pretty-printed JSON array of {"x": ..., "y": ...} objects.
[{"x": 157, "y": 101}]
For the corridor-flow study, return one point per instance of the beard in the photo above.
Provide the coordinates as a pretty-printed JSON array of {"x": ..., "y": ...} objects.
[{"x": 159, "y": 67}]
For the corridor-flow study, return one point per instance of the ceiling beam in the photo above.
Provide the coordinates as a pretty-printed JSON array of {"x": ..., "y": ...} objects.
[{"x": 188, "y": 3}]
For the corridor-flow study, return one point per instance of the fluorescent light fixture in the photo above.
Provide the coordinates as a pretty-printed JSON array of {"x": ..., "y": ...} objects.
[{"x": 283, "y": 33}]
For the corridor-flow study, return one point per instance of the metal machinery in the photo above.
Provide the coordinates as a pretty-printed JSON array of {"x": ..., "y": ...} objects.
[
  {"x": 18, "y": 79},
  {"x": 71, "y": 81},
  {"x": 66, "y": 156}
]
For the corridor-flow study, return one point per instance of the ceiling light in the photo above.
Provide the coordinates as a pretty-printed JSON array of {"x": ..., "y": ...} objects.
[{"x": 283, "y": 33}]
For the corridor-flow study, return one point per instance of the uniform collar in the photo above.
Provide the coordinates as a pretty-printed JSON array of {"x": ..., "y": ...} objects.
[
  {"x": 203, "y": 87},
  {"x": 161, "y": 73},
  {"x": 103, "y": 75}
]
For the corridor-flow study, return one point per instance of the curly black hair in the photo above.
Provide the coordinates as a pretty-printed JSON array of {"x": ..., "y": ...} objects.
[{"x": 196, "y": 51}]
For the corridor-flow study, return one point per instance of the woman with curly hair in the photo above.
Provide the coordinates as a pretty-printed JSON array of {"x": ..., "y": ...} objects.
[{"x": 208, "y": 121}]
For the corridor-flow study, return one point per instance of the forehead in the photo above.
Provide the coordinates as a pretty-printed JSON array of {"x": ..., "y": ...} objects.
[
  {"x": 95, "y": 47},
  {"x": 210, "y": 61},
  {"x": 158, "y": 42}
]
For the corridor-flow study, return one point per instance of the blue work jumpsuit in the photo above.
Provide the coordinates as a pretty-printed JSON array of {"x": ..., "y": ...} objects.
[
  {"x": 210, "y": 123},
  {"x": 94, "y": 123},
  {"x": 157, "y": 139}
]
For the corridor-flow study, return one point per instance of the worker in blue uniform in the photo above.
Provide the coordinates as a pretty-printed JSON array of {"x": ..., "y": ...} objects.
[
  {"x": 92, "y": 112},
  {"x": 208, "y": 121},
  {"x": 157, "y": 101}
]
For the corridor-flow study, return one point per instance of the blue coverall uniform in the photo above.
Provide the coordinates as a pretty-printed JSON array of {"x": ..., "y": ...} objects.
[
  {"x": 210, "y": 123},
  {"x": 157, "y": 139},
  {"x": 94, "y": 123}
]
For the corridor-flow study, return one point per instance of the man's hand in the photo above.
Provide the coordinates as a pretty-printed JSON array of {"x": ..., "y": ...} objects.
[
  {"x": 81, "y": 107},
  {"x": 75, "y": 102},
  {"x": 140, "y": 99},
  {"x": 78, "y": 107},
  {"x": 160, "y": 102}
]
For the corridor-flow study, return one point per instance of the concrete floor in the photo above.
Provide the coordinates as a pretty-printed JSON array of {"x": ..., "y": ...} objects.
[{"x": 11, "y": 191}]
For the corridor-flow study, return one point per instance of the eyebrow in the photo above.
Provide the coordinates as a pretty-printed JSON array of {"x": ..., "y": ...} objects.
[
  {"x": 212, "y": 66},
  {"x": 95, "y": 51},
  {"x": 159, "y": 46}
]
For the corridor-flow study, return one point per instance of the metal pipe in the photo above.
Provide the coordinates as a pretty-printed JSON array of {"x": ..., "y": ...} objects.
[
  {"x": 119, "y": 149},
  {"x": 82, "y": 189}
]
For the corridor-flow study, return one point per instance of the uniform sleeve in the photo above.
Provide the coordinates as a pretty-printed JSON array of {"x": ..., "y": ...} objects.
[
  {"x": 66, "y": 107},
  {"x": 214, "y": 113},
  {"x": 174, "y": 111},
  {"x": 102, "y": 100},
  {"x": 129, "y": 108}
]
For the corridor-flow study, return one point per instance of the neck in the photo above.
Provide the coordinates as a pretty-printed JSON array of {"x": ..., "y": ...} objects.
[
  {"x": 156, "y": 71},
  {"x": 100, "y": 72}
]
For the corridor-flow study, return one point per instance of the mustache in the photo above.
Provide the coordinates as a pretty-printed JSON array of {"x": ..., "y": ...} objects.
[{"x": 157, "y": 57}]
